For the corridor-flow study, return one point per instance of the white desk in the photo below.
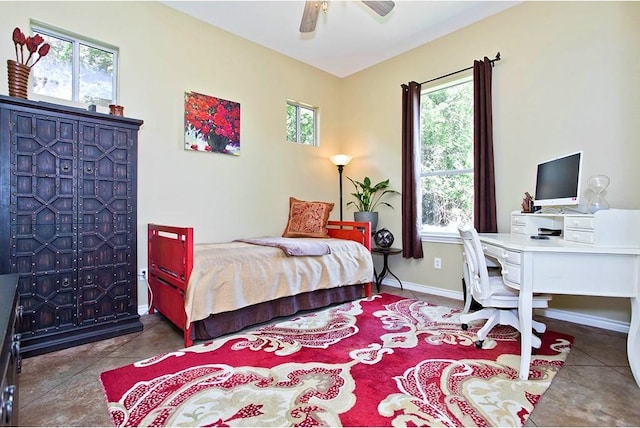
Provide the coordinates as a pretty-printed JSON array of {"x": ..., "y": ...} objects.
[{"x": 557, "y": 266}]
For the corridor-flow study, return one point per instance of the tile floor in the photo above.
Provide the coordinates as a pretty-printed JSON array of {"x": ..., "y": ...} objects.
[{"x": 594, "y": 388}]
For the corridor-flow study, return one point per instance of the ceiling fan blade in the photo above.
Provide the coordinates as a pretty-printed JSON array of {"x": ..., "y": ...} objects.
[
  {"x": 310, "y": 16},
  {"x": 380, "y": 7}
]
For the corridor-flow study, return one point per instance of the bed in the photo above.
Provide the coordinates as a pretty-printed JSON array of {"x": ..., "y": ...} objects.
[{"x": 208, "y": 290}]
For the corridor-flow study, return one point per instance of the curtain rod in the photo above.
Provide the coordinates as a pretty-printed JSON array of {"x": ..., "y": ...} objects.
[{"x": 497, "y": 58}]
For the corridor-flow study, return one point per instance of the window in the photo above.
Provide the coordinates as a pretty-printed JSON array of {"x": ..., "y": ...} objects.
[
  {"x": 75, "y": 69},
  {"x": 302, "y": 123},
  {"x": 446, "y": 120}
]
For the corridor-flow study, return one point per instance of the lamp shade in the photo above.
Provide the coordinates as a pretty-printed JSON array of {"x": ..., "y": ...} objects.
[{"x": 341, "y": 159}]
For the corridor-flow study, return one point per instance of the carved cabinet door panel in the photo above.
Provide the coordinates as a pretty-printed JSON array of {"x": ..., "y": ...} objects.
[
  {"x": 106, "y": 242},
  {"x": 42, "y": 212}
]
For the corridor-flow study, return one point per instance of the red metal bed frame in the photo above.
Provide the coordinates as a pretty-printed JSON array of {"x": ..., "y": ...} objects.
[{"x": 170, "y": 261}]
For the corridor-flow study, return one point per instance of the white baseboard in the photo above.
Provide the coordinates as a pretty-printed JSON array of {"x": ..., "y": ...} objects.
[
  {"x": 558, "y": 314},
  {"x": 586, "y": 319}
]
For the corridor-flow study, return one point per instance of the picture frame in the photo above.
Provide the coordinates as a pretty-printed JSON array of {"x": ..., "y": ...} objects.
[{"x": 211, "y": 124}]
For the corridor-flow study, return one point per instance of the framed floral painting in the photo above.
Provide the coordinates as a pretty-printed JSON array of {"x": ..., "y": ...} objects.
[{"x": 211, "y": 124}]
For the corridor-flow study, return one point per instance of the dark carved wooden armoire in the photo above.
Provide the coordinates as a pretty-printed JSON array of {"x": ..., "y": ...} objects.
[{"x": 68, "y": 222}]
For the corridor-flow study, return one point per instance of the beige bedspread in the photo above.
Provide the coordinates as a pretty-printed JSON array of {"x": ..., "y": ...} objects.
[{"x": 232, "y": 275}]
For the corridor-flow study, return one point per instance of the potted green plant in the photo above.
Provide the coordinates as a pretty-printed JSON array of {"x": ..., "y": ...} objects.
[{"x": 367, "y": 198}]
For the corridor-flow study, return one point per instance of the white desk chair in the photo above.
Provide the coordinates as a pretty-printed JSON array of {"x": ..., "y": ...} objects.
[
  {"x": 494, "y": 270},
  {"x": 500, "y": 301}
]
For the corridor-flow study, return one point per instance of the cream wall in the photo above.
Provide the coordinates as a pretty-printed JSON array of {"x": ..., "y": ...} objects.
[
  {"x": 568, "y": 80},
  {"x": 164, "y": 53}
]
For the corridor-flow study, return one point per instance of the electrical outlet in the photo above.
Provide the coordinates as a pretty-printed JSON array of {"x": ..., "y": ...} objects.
[
  {"x": 142, "y": 273},
  {"x": 437, "y": 263}
]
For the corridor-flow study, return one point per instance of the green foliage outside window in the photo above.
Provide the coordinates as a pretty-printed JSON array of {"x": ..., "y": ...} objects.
[
  {"x": 307, "y": 127},
  {"x": 292, "y": 123},
  {"x": 447, "y": 157}
]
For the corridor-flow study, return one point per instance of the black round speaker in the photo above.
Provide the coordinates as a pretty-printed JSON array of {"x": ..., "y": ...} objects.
[{"x": 383, "y": 238}]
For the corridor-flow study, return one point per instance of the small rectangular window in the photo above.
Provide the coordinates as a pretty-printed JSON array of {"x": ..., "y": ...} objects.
[
  {"x": 76, "y": 69},
  {"x": 302, "y": 123}
]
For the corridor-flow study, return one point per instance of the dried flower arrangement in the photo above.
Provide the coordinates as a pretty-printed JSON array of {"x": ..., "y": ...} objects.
[{"x": 33, "y": 43}]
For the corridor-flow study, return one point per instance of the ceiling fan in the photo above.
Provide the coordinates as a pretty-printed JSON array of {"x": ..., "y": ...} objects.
[{"x": 312, "y": 9}]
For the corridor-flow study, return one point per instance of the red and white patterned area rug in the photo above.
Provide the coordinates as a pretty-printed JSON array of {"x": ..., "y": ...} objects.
[{"x": 380, "y": 361}]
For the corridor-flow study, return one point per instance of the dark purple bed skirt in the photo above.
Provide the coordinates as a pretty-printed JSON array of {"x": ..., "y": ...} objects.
[{"x": 233, "y": 321}]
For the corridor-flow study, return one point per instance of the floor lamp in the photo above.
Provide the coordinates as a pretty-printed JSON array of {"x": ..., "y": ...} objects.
[{"x": 340, "y": 161}]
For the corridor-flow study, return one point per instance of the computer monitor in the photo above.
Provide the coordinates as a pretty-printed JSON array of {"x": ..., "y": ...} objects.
[{"x": 558, "y": 181}]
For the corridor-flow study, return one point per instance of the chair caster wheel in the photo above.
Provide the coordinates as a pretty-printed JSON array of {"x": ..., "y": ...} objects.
[
  {"x": 465, "y": 326},
  {"x": 479, "y": 344}
]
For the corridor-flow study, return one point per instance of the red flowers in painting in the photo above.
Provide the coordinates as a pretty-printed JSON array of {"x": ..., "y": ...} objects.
[
  {"x": 214, "y": 120},
  {"x": 33, "y": 45}
]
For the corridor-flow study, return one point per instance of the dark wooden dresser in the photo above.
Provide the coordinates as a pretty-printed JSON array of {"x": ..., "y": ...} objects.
[
  {"x": 68, "y": 225},
  {"x": 10, "y": 352}
]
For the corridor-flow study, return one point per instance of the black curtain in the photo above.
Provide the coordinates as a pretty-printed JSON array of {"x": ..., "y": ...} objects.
[
  {"x": 484, "y": 203},
  {"x": 411, "y": 198}
]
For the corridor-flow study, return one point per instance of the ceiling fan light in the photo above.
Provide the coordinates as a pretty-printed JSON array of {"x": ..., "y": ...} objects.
[{"x": 312, "y": 9}]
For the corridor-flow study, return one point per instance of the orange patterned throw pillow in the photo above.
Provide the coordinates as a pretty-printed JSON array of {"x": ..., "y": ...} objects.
[{"x": 307, "y": 219}]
